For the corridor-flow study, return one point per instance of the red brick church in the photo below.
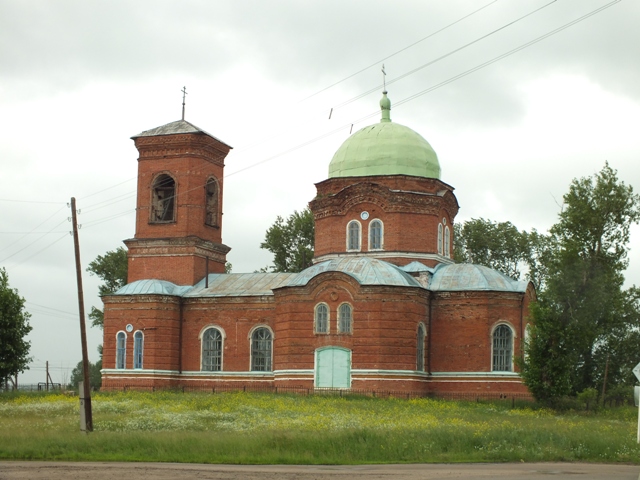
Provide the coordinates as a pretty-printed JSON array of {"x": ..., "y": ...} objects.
[{"x": 383, "y": 307}]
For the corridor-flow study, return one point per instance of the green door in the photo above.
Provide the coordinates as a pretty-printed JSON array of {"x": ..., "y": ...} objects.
[{"x": 333, "y": 367}]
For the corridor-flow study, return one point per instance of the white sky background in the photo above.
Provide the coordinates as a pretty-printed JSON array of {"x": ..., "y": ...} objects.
[{"x": 79, "y": 78}]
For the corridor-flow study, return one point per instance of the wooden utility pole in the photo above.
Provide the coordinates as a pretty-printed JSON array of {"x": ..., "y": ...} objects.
[{"x": 83, "y": 332}]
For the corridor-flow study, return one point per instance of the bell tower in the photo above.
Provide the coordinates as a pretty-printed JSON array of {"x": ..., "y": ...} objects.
[{"x": 178, "y": 234}]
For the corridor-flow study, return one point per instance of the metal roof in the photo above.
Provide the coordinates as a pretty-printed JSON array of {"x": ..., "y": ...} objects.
[
  {"x": 239, "y": 284},
  {"x": 468, "y": 277},
  {"x": 366, "y": 270},
  {"x": 415, "y": 267},
  {"x": 152, "y": 287},
  {"x": 173, "y": 128}
]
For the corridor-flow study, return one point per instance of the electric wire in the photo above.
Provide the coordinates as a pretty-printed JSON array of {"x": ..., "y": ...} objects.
[
  {"x": 399, "y": 51},
  {"x": 396, "y": 104},
  {"x": 410, "y": 98},
  {"x": 109, "y": 202},
  {"x": 32, "y": 231},
  {"x": 442, "y": 57},
  {"x": 29, "y": 244}
]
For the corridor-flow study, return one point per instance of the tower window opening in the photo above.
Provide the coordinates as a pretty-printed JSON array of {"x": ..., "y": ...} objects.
[
  {"x": 163, "y": 202},
  {"x": 211, "y": 201}
]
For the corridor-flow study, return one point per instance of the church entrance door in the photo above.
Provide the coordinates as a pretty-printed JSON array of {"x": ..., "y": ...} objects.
[{"x": 333, "y": 367}]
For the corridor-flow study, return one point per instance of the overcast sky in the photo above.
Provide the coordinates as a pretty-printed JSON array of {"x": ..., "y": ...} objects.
[{"x": 513, "y": 110}]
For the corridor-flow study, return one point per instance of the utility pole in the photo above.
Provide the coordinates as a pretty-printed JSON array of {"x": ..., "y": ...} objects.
[{"x": 86, "y": 401}]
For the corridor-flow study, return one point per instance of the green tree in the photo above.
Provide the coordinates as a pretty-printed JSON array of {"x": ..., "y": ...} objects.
[
  {"x": 95, "y": 378},
  {"x": 112, "y": 269},
  {"x": 584, "y": 316},
  {"x": 14, "y": 327},
  {"x": 501, "y": 246},
  {"x": 291, "y": 242}
]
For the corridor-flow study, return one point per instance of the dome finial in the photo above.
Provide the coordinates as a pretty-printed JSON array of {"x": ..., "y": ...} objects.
[
  {"x": 385, "y": 103},
  {"x": 385, "y": 107}
]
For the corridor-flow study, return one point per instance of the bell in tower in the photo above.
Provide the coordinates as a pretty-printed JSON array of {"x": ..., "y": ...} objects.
[{"x": 179, "y": 206}]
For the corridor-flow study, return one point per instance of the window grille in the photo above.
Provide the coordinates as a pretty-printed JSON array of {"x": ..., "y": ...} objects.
[
  {"x": 344, "y": 318},
  {"x": 138, "y": 341},
  {"x": 322, "y": 318},
  {"x": 212, "y": 350},
  {"x": 440, "y": 239},
  {"x": 447, "y": 240},
  {"x": 121, "y": 349},
  {"x": 353, "y": 233},
  {"x": 502, "y": 349},
  {"x": 375, "y": 235},
  {"x": 261, "y": 345}
]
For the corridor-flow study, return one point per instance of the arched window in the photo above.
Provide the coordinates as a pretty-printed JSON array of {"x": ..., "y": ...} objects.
[
  {"x": 212, "y": 350},
  {"x": 163, "y": 201},
  {"x": 447, "y": 241},
  {"x": 121, "y": 349},
  {"x": 211, "y": 202},
  {"x": 375, "y": 235},
  {"x": 502, "y": 349},
  {"x": 440, "y": 227},
  {"x": 420, "y": 349},
  {"x": 138, "y": 345},
  {"x": 321, "y": 321},
  {"x": 353, "y": 236},
  {"x": 261, "y": 343},
  {"x": 344, "y": 318}
]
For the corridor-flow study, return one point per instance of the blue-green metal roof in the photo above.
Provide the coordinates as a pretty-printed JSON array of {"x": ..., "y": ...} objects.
[
  {"x": 152, "y": 287},
  {"x": 366, "y": 270},
  {"x": 416, "y": 267},
  {"x": 239, "y": 284},
  {"x": 468, "y": 277}
]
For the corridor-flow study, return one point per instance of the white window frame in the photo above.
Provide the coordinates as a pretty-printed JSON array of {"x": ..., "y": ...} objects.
[
  {"x": 511, "y": 347},
  {"x": 381, "y": 247},
  {"x": 440, "y": 228},
  {"x": 201, "y": 338},
  {"x": 252, "y": 332},
  {"x": 121, "y": 353},
  {"x": 349, "y": 249},
  {"x": 327, "y": 320},
  {"x": 140, "y": 353},
  {"x": 339, "y": 316}
]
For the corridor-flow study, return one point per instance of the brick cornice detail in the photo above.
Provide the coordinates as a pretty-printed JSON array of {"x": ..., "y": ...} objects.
[
  {"x": 390, "y": 201},
  {"x": 159, "y": 246},
  {"x": 185, "y": 145}
]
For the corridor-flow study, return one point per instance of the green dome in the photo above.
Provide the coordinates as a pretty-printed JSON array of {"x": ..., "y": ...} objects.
[{"x": 385, "y": 148}]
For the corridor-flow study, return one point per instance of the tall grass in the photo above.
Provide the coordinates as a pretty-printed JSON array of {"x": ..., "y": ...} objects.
[{"x": 264, "y": 428}]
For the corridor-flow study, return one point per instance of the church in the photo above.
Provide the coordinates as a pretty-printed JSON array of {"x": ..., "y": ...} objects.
[{"x": 382, "y": 308}]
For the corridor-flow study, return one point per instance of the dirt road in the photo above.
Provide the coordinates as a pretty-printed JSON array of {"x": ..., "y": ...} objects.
[{"x": 162, "y": 471}]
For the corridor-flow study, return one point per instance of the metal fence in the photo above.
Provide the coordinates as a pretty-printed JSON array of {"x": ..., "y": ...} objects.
[
  {"x": 32, "y": 387},
  {"x": 339, "y": 392}
]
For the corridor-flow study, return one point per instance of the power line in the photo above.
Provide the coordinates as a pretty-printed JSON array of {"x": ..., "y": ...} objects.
[
  {"x": 446, "y": 55},
  {"x": 399, "y": 51}
]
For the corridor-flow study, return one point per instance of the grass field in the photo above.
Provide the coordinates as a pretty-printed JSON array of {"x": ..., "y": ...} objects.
[{"x": 265, "y": 428}]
